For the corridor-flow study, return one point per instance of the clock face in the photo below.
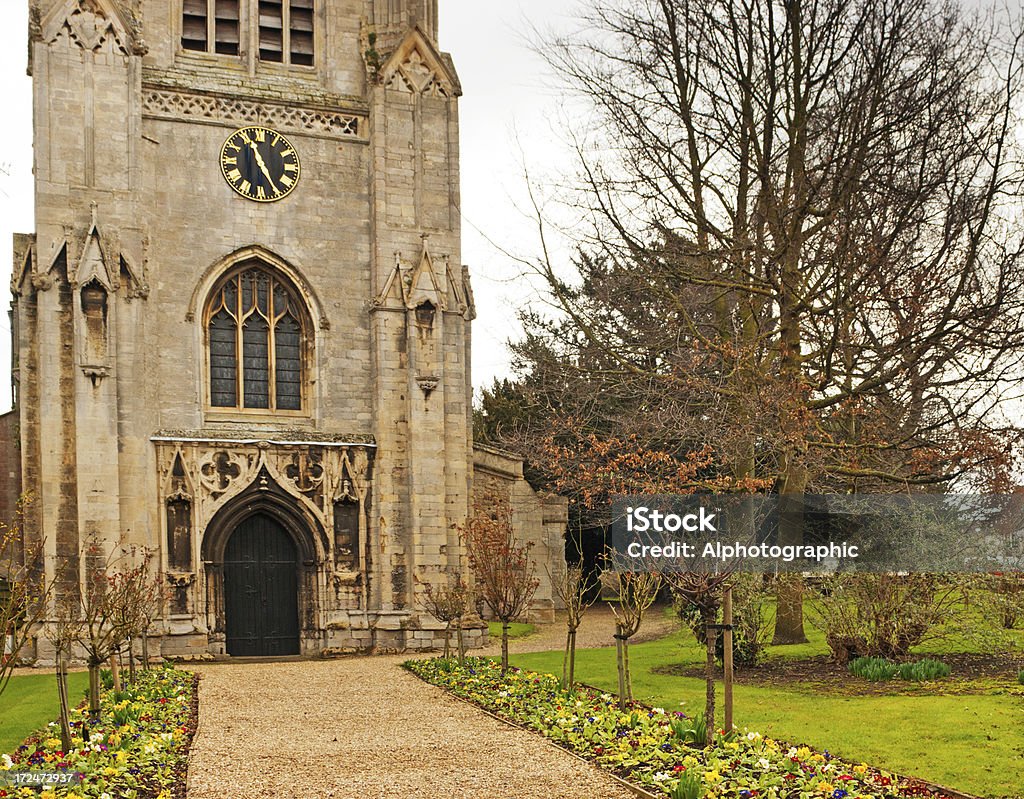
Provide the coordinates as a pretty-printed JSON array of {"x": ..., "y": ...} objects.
[{"x": 260, "y": 164}]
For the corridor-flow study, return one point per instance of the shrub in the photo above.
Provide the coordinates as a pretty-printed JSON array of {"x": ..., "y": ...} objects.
[
  {"x": 873, "y": 669},
  {"x": 883, "y": 615},
  {"x": 1020, "y": 677},
  {"x": 751, "y": 632},
  {"x": 1001, "y": 598}
]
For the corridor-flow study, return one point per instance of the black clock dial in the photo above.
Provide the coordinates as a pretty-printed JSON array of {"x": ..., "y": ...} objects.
[{"x": 260, "y": 164}]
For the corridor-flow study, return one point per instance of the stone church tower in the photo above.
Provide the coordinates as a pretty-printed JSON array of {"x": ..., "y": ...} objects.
[{"x": 242, "y": 326}]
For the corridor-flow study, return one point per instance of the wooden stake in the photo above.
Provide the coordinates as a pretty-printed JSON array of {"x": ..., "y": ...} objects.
[{"x": 727, "y": 656}]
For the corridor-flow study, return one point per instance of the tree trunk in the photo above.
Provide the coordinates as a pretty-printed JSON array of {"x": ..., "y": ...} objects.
[
  {"x": 94, "y": 692},
  {"x": 709, "y": 679},
  {"x": 504, "y": 647},
  {"x": 621, "y": 666},
  {"x": 565, "y": 660},
  {"x": 65, "y": 708},
  {"x": 572, "y": 660},
  {"x": 115, "y": 672},
  {"x": 625, "y": 669},
  {"x": 460, "y": 642},
  {"x": 447, "y": 641},
  {"x": 145, "y": 651},
  {"x": 790, "y": 595},
  {"x": 131, "y": 661},
  {"x": 727, "y": 659},
  {"x": 789, "y": 611}
]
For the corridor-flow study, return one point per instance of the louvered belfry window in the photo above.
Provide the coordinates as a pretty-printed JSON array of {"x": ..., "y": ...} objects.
[
  {"x": 211, "y": 26},
  {"x": 286, "y": 31},
  {"x": 285, "y": 28},
  {"x": 255, "y": 335}
]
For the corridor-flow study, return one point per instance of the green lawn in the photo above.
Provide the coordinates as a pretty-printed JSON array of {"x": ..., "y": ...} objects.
[
  {"x": 30, "y": 702},
  {"x": 515, "y": 629},
  {"x": 972, "y": 743}
]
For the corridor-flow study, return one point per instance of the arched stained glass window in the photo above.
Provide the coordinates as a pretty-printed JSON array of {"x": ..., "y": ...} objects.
[{"x": 256, "y": 334}]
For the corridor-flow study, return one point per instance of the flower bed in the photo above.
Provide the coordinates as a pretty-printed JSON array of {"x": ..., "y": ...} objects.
[
  {"x": 136, "y": 749},
  {"x": 649, "y": 746}
]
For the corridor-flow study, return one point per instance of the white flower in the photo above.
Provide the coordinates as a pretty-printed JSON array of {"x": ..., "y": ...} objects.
[
  {"x": 764, "y": 764},
  {"x": 106, "y": 795},
  {"x": 8, "y": 763},
  {"x": 658, "y": 710},
  {"x": 96, "y": 737},
  {"x": 753, "y": 736},
  {"x": 791, "y": 752}
]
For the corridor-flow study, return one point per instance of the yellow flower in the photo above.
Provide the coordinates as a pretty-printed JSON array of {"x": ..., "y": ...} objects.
[
  {"x": 711, "y": 777},
  {"x": 825, "y": 787},
  {"x": 803, "y": 753},
  {"x": 52, "y": 743},
  {"x": 164, "y": 794},
  {"x": 862, "y": 768}
]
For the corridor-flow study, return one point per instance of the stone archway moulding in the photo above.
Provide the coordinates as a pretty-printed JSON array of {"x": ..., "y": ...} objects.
[{"x": 256, "y": 252}]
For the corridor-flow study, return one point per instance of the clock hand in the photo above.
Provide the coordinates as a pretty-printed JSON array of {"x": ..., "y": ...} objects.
[{"x": 263, "y": 166}]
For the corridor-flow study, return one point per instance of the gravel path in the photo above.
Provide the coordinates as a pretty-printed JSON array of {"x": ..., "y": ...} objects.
[
  {"x": 359, "y": 728},
  {"x": 596, "y": 631}
]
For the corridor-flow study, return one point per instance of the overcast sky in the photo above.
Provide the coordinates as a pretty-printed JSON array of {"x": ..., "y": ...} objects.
[{"x": 508, "y": 105}]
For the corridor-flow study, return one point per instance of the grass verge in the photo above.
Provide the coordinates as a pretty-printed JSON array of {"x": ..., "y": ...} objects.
[{"x": 30, "y": 703}]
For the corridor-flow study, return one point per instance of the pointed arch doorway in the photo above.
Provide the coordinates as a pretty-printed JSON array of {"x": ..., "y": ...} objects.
[{"x": 261, "y": 589}]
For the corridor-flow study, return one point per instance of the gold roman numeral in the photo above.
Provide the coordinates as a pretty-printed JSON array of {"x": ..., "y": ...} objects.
[
  {"x": 229, "y": 160},
  {"x": 291, "y": 167},
  {"x": 259, "y": 134},
  {"x": 245, "y": 187},
  {"x": 260, "y": 193},
  {"x": 287, "y": 153},
  {"x": 234, "y": 176},
  {"x": 286, "y": 181}
]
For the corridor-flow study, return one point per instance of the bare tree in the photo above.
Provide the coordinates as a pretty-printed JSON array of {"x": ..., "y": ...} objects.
[
  {"x": 136, "y": 596},
  {"x": 572, "y": 587},
  {"x": 703, "y": 591},
  {"x": 636, "y": 593},
  {"x": 798, "y": 244},
  {"x": 63, "y": 630},
  {"x": 24, "y": 590},
  {"x": 504, "y": 576},
  {"x": 106, "y": 615},
  {"x": 449, "y": 604}
]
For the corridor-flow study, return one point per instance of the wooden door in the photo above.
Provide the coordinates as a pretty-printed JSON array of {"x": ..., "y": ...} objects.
[{"x": 261, "y": 589}]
